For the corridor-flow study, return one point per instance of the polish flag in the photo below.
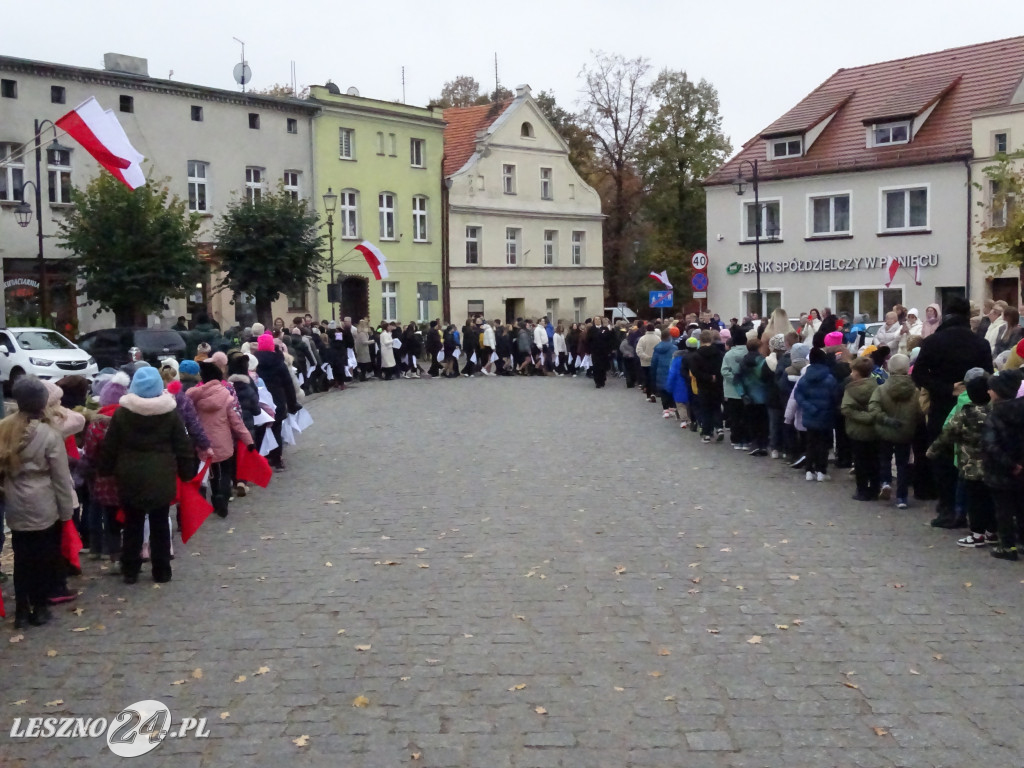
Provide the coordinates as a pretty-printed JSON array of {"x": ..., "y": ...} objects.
[
  {"x": 661, "y": 277},
  {"x": 893, "y": 268},
  {"x": 917, "y": 275},
  {"x": 374, "y": 258},
  {"x": 102, "y": 136}
]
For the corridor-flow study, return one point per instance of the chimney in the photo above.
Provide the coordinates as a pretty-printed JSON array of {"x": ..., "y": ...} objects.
[
  {"x": 522, "y": 90},
  {"x": 125, "y": 65}
]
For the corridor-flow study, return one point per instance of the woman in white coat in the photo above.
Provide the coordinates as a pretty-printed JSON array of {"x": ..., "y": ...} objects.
[
  {"x": 811, "y": 326},
  {"x": 387, "y": 351}
]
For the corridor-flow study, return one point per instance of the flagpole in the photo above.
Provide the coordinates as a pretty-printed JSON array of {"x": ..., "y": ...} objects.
[{"x": 26, "y": 148}]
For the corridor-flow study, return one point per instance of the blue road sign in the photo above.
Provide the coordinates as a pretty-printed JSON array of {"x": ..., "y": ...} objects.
[
  {"x": 699, "y": 281},
  {"x": 661, "y": 299}
]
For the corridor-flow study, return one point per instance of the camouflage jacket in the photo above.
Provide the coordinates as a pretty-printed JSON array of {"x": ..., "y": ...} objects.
[{"x": 962, "y": 434}]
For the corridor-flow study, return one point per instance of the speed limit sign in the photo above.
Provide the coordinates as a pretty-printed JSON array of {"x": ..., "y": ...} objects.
[{"x": 699, "y": 260}]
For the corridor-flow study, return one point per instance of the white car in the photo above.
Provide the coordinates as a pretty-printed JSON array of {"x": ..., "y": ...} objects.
[{"x": 43, "y": 353}]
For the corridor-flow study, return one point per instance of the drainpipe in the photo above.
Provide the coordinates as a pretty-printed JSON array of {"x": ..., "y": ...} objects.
[{"x": 970, "y": 197}]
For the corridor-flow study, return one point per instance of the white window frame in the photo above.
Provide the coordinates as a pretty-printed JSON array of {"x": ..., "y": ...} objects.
[
  {"x": 857, "y": 290},
  {"x": 512, "y": 238},
  {"x": 880, "y": 134},
  {"x": 764, "y": 203},
  {"x": 883, "y": 193},
  {"x": 292, "y": 185},
  {"x": 346, "y": 143},
  {"x": 551, "y": 309},
  {"x": 198, "y": 179},
  {"x": 995, "y": 142},
  {"x": 997, "y": 218},
  {"x": 547, "y": 184},
  {"x": 254, "y": 183},
  {"x": 785, "y": 142},
  {"x": 508, "y": 178},
  {"x": 386, "y": 215},
  {"x": 579, "y": 309},
  {"x": 12, "y": 175},
  {"x": 550, "y": 247},
  {"x": 56, "y": 173},
  {"x": 418, "y": 153},
  {"x": 474, "y": 239},
  {"x": 579, "y": 247},
  {"x": 389, "y": 300},
  {"x": 348, "y": 206},
  {"x": 832, "y": 231},
  {"x": 420, "y": 233},
  {"x": 744, "y": 292}
]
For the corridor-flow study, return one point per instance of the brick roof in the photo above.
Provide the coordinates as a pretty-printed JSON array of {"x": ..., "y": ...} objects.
[
  {"x": 460, "y": 135},
  {"x": 963, "y": 80}
]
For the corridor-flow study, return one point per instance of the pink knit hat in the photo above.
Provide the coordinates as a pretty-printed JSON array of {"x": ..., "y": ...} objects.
[
  {"x": 834, "y": 338},
  {"x": 265, "y": 343}
]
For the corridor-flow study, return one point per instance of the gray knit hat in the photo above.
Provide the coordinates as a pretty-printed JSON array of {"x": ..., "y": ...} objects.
[{"x": 31, "y": 395}]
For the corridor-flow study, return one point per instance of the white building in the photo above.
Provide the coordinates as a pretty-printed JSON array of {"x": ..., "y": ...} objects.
[
  {"x": 525, "y": 229},
  {"x": 212, "y": 145},
  {"x": 873, "y": 166}
]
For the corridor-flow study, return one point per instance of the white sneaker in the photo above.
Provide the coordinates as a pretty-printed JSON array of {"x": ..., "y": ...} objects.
[
  {"x": 666, "y": 414},
  {"x": 822, "y": 477},
  {"x": 775, "y": 454},
  {"x": 809, "y": 475},
  {"x": 683, "y": 424}
]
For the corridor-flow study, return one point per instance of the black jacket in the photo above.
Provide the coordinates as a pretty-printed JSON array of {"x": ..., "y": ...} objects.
[
  {"x": 945, "y": 357},
  {"x": 705, "y": 364},
  {"x": 433, "y": 342},
  {"x": 1002, "y": 450},
  {"x": 272, "y": 369}
]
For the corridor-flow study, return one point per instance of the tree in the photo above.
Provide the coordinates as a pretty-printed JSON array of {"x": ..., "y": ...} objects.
[
  {"x": 269, "y": 247},
  {"x": 682, "y": 145},
  {"x": 134, "y": 249},
  {"x": 1001, "y": 241},
  {"x": 615, "y": 105},
  {"x": 282, "y": 91},
  {"x": 581, "y": 151},
  {"x": 463, "y": 91}
]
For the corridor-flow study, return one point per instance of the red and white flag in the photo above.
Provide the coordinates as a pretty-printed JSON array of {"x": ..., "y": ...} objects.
[
  {"x": 661, "y": 277},
  {"x": 374, "y": 258},
  {"x": 917, "y": 275},
  {"x": 893, "y": 267},
  {"x": 102, "y": 136}
]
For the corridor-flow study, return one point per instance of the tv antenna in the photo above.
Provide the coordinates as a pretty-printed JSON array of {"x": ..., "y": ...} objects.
[{"x": 242, "y": 72}]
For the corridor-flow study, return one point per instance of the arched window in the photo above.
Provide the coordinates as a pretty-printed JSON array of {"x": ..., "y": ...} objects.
[{"x": 526, "y": 131}]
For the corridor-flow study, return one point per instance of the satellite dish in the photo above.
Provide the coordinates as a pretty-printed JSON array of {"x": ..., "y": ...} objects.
[
  {"x": 353, "y": 91},
  {"x": 242, "y": 73}
]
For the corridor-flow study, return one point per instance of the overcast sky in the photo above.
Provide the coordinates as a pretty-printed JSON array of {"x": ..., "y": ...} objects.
[{"x": 761, "y": 56}]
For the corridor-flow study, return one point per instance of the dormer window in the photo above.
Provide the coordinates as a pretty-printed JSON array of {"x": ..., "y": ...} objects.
[
  {"x": 883, "y": 134},
  {"x": 787, "y": 146}
]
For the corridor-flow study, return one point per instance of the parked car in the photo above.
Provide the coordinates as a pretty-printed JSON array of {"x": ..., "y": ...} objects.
[
  {"x": 112, "y": 346},
  {"x": 620, "y": 313},
  {"x": 42, "y": 352}
]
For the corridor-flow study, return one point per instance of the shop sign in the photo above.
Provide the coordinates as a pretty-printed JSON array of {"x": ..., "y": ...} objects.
[{"x": 834, "y": 265}]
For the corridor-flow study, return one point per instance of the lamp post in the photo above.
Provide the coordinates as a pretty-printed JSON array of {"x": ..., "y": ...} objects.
[
  {"x": 741, "y": 186},
  {"x": 23, "y": 213},
  {"x": 330, "y": 205}
]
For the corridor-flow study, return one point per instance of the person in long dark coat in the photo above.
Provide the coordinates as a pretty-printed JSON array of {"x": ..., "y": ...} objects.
[
  {"x": 274, "y": 372},
  {"x": 600, "y": 341}
]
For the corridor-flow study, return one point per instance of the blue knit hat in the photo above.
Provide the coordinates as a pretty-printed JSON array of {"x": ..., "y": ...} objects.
[
  {"x": 191, "y": 367},
  {"x": 147, "y": 383}
]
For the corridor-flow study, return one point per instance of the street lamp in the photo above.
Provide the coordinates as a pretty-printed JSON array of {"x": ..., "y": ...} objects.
[
  {"x": 330, "y": 205},
  {"x": 741, "y": 186}
]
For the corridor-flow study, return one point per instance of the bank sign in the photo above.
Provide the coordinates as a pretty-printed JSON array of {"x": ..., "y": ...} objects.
[{"x": 835, "y": 265}]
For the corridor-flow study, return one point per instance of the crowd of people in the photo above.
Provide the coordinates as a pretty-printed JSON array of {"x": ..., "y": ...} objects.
[{"x": 100, "y": 463}]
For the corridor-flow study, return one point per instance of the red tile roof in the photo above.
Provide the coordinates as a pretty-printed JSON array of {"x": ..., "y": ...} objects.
[
  {"x": 962, "y": 79},
  {"x": 464, "y": 123}
]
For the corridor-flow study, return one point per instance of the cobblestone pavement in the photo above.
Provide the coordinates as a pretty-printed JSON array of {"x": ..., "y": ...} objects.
[{"x": 532, "y": 572}]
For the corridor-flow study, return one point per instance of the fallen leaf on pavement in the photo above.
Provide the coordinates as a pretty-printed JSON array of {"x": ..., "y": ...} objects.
[
  {"x": 416, "y": 755},
  {"x": 225, "y": 715},
  {"x": 713, "y": 631},
  {"x": 178, "y": 682},
  {"x": 540, "y": 710},
  {"x": 620, "y": 569},
  {"x": 655, "y": 674},
  {"x": 521, "y": 618},
  {"x": 197, "y": 674},
  {"x": 617, "y": 688},
  {"x": 696, "y": 580},
  {"x": 797, "y": 622},
  {"x": 794, "y": 577},
  {"x": 303, "y": 740},
  {"x": 364, "y": 647},
  {"x": 360, "y": 702},
  {"x": 518, "y": 687},
  {"x": 16, "y": 638},
  {"x": 240, "y": 679},
  {"x": 914, "y": 672},
  {"x": 937, "y": 657},
  {"x": 341, "y": 631},
  {"x": 19, "y": 702},
  {"x": 664, "y": 652},
  {"x": 78, "y": 611},
  {"x": 725, "y": 549},
  {"x": 693, "y": 565},
  {"x": 329, "y": 564},
  {"x": 754, "y": 640},
  {"x": 54, "y": 703},
  {"x": 739, "y": 587},
  {"x": 880, "y": 731},
  {"x": 420, "y": 549},
  {"x": 848, "y": 684},
  {"x": 422, "y": 565},
  {"x": 82, "y": 629},
  {"x": 968, "y": 584},
  {"x": 782, "y": 626},
  {"x": 405, "y": 679},
  {"x": 261, "y": 671}
]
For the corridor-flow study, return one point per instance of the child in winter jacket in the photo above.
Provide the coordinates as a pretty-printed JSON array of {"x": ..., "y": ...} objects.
[
  {"x": 817, "y": 400},
  {"x": 1002, "y": 457},
  {"x": 754, "y": 394},
  {"x": 39, "y": 497},
  {"x": 963, "y": 433},
  {"x": 897, "y": 411},
  {"x": 860, "y": 428}
]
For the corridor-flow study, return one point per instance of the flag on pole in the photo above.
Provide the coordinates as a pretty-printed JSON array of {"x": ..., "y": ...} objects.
[
  {"x": 893, "y": 267},
  {"x": 102, "y": 136},
  {"x": 374, "y": 258},
  {"x": 661, "y": 277}
]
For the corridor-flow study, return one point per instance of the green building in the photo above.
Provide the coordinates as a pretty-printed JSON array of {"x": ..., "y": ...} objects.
[{"x": 383, "y": 161}]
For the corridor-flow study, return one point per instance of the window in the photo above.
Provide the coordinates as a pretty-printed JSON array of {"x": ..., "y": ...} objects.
[
  {"x": 393, "y": 144},
  {"x": 830, "y": 215},
  {"x": 292, "y": 125},
  {"x": 197, "y": 191},
  {"x": 197, "y": 113},
  {"x": 873, "y": 302},
  {"x": 254, "y": 184},
  {"x": 422, "y": 305},
  {"x": 511, "y": 246},
  {"x": 508, "y": 179},
  {"x": 546, "y": 192},
  {"x": 12, "y": 174},
  {"x": 474, "y": 307},
  {"x": 579, "y": 310},
  {"x": 419, "y": 219},
  {"x": 883, "y": 134},
  {"x": 9, "y": 89},
  {"x": 58, "y": 173},
  {"x": 550, "y": 246},
  {"x": 572, "y": 191},
  {"x": 526, "y": 131},
  {"x": 380, "y": 143},
  {"x": 473, "y": 245},
  {"x": 999, "y": 143},
  {"x": 386, "y": 209},
  {"x": 551, "y": 309},
  {"x": 127, "y": 103},
  {"x": 389, "y": 301},
  {"x": 417, "y": 152},
  {"x": 57, "y": 94},
  {"x": 291, "y": 185},
  {"x": 346, "y": 144},
  {"x": 770, "y": 301},
  {"x": 766, "y": 225},
  {"x": 791, "y": 146},
  {"x": 349, "y": 214},
  {"x": 578, "y": 239},
  {"x": 905, "y": 209},
  {"x": 1000, "y": 205},
  {"x": 297, "y": 303},
  {"x": 254, "y": 120}
]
